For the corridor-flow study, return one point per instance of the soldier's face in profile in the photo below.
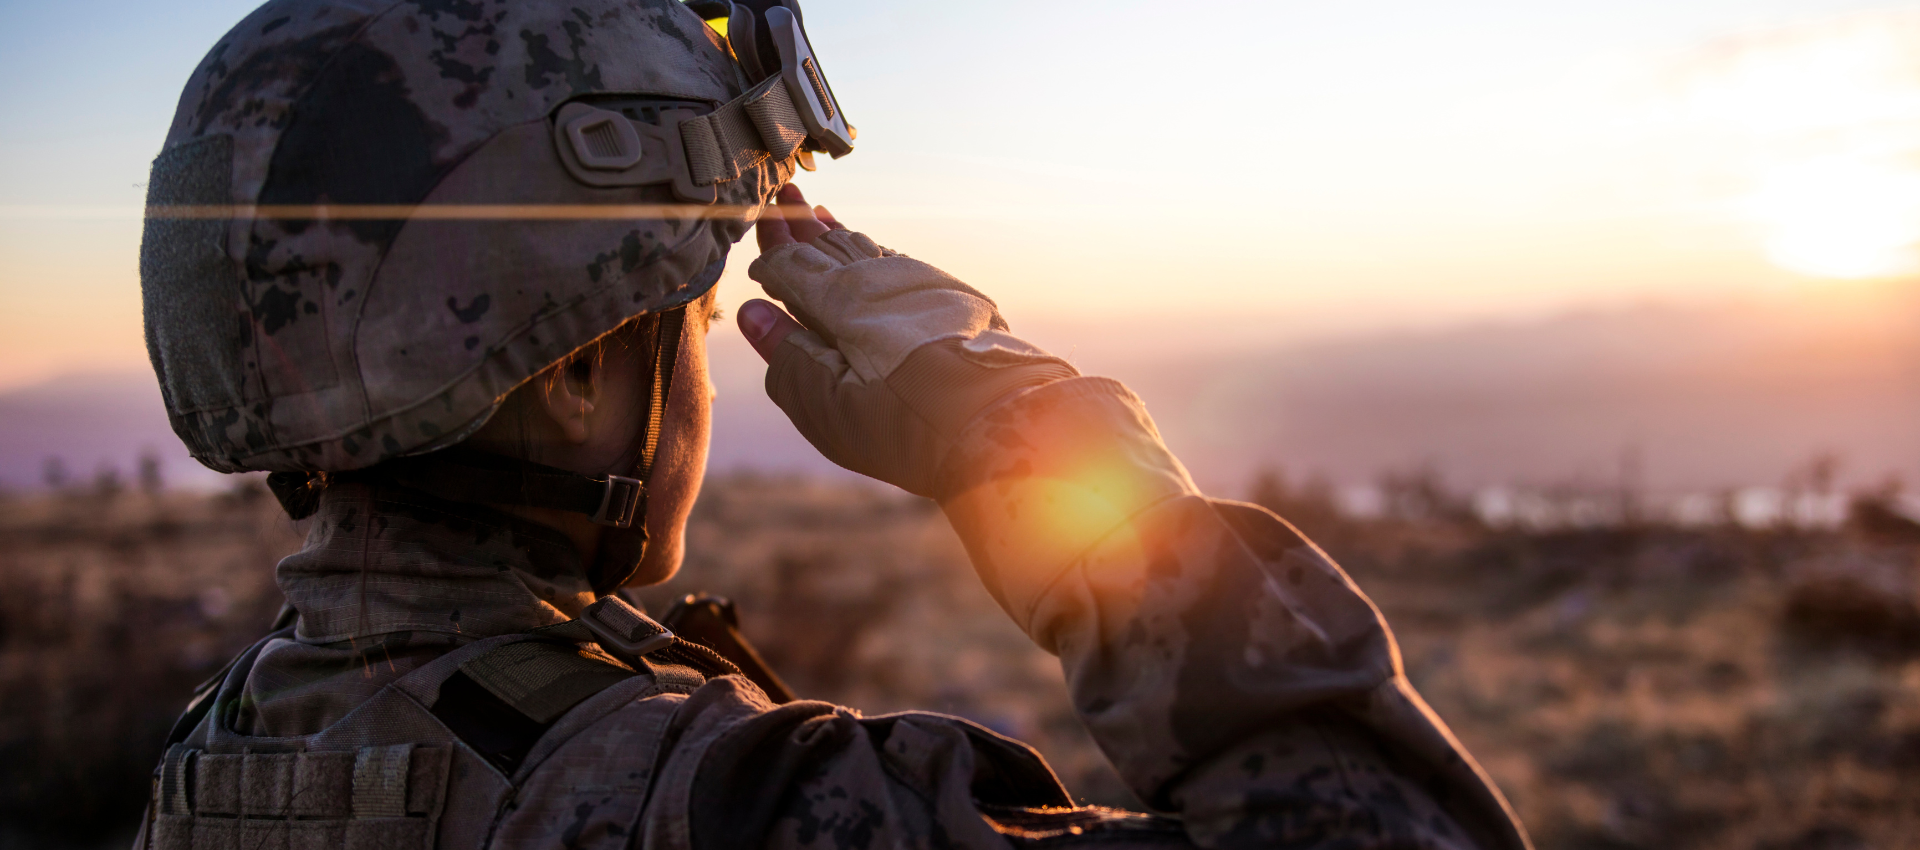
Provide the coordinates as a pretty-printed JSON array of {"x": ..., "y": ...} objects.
[
  {"x": 591, "y": 417},
  {"x": 682, "y": 460}
]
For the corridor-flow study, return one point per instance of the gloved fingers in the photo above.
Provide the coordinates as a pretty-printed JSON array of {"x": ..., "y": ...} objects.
[
  {"x": 801, "y": 222},
  {"x": 796, "y": 275},
  {"x": 826, "y": 218},
  {"x": 765, "y": 326},
  {"x": 866, "y": 245},
  {"x": 847, "y": 247},
  {"x": 860, "y": 425},
  {"x": 804, "y": 381},
  {"x": 771, "y": 231}
]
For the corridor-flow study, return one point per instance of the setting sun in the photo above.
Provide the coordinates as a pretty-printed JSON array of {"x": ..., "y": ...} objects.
[
  {"x": 1839, "y": 218},
  {"x": 1817, "y": 126}
]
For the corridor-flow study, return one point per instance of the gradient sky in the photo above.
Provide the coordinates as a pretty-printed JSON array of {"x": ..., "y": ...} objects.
[{"x": 1260, "y": 173}]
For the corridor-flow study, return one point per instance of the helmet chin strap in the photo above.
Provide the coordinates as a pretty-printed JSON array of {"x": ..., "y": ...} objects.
[
  {"x": 623, "y": 547},
  {"x": 666, "y": 360},
  {"x": 617, "y": 501}
]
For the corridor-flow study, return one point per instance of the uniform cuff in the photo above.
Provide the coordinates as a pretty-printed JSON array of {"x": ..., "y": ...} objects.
[{"x": 1039, "y": 479}]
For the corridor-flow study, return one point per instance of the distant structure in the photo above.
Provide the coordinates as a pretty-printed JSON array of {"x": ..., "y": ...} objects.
[
  {"x": 150, "y": 480},
  {"x": 106, "y": 482},
  {"x": 54, "y": 473}
]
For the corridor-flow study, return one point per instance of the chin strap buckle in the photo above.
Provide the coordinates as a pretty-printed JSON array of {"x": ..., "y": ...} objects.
[{"x": 622, "y": 502}]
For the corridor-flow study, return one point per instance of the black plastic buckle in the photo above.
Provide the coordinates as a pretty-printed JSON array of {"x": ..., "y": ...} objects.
[
  {"x": 827, "y": 126},
  {"x": 622, "y": 501},
  {"x": 622, "y": 630}
]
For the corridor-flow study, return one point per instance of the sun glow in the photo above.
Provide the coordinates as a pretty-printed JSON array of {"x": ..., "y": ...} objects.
[
  {"x": 1819, "y": 128},
  {"x": 1840, "y": 218}
]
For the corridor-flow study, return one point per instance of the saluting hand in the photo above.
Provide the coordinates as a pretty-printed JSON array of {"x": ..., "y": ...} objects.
[
  {"x": 880, "y": 360},
  {"x": 790, "y": 222}
]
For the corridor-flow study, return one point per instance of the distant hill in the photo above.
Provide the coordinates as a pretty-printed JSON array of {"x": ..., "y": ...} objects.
[
  {"x": 90, "y": 423},
  {"x": 1702, "y": 397},
  {"x": 1697, "y": 397}
]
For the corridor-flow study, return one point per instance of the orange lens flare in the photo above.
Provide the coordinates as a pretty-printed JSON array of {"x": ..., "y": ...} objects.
[
  {"x": 1078, "y": 511},
  {"x": 460, "y": 212},
  {"x": 403, "y": 212}
]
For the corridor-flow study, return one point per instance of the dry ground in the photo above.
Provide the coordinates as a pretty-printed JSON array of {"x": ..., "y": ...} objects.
[{"x": 1627, "y": 687}]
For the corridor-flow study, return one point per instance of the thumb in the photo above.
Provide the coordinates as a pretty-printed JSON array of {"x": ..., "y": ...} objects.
[{"x": 765, "y": 326}]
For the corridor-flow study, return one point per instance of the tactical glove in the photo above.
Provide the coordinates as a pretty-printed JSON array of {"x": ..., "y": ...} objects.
[{"x": 897, "y": 358}]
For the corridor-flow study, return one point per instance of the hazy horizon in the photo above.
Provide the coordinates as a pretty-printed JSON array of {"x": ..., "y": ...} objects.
[{"x": 1701, "y": 398}]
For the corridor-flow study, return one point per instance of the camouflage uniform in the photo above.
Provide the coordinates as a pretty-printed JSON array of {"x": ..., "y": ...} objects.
[
  {"x": 1233, "y": 674},
  {"x": 429, "y": 692}
]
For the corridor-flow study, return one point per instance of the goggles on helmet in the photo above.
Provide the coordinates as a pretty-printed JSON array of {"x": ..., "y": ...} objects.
[
  {"x": 787, "y": 112},
  {"x": 769, "y": 38}
]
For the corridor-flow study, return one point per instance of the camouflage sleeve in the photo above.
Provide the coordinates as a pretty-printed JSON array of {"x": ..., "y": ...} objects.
[
  {"x": 1233, "y": 674},
  {"x": 1240, "y": 682},
  {"x": 740, "y": 772}
]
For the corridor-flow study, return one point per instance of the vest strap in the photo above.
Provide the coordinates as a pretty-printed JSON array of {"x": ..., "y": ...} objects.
[
  {"x": 380, "y": 781},
  {"x": 543, "y": 679},
  {"x": 626, "y": 633}
]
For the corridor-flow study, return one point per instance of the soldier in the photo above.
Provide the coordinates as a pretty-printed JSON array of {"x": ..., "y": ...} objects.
[{"x": 445, "y": 268}]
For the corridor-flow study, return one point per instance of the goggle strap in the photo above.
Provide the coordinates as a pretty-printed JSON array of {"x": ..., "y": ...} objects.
[{"x": 743, "y": 133}]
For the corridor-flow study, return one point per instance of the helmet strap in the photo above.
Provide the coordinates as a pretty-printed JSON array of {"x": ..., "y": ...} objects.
[
  {"x": 622, "y": 549},
  {"x": 666, "y": 360}
]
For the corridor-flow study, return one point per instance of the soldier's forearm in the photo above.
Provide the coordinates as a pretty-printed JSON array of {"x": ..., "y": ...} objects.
[
  {"x": 1228, "y": 668},
  {"x": 1038, "y": 480}
]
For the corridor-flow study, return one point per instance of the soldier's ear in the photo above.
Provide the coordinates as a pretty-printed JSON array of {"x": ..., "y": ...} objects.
[{"x": 567, "y": 397}]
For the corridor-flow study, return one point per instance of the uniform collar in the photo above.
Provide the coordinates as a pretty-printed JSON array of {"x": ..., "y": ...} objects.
[{"x": 380, "y": 559}]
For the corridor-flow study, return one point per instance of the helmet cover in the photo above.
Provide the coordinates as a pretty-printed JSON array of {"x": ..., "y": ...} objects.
[{"x": 288, "y": 337}]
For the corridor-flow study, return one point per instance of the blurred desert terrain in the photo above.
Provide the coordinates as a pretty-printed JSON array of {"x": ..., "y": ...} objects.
[{"x": 1633, "y": 684}]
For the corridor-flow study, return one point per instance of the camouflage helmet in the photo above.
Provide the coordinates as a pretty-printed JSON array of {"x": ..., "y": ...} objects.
[{"x": 371, "y": 220}]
